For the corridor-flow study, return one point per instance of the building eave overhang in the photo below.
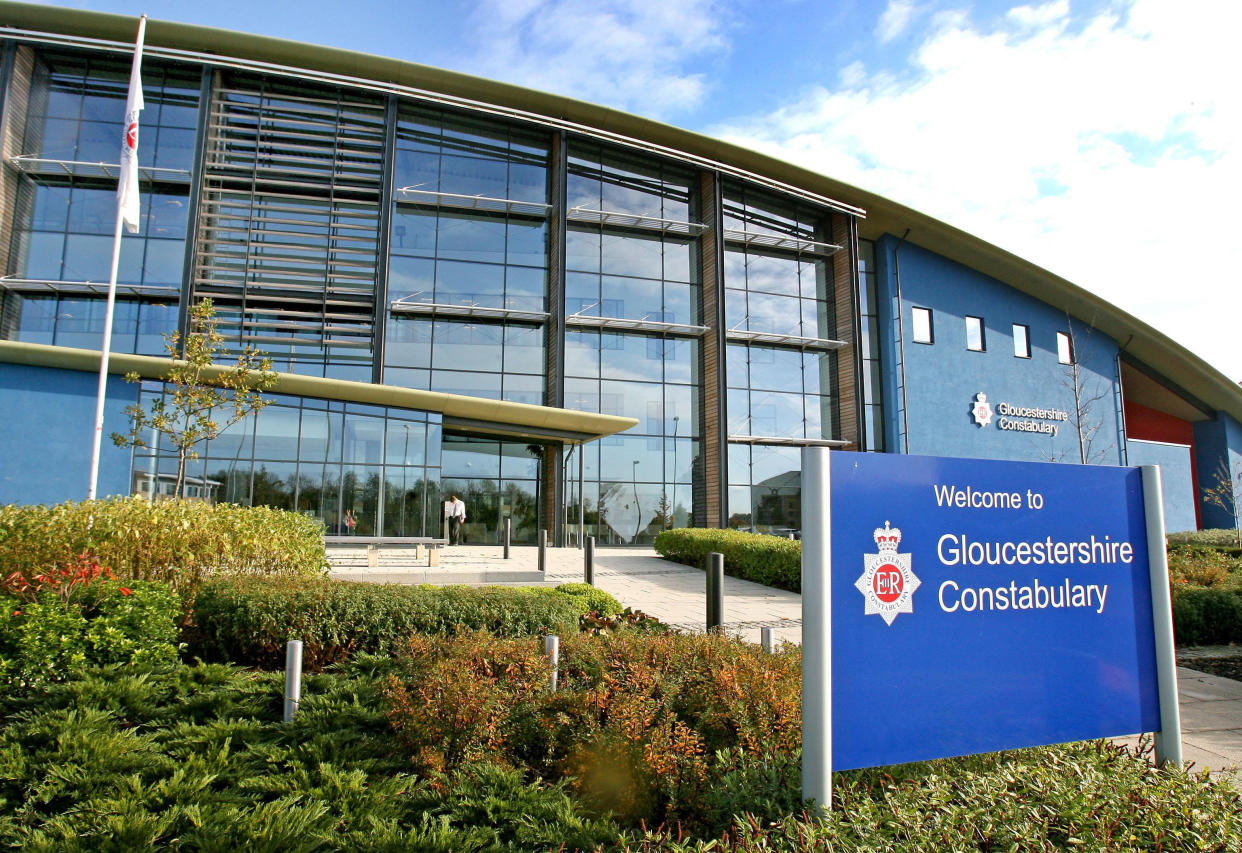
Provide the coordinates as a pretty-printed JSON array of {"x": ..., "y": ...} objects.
[
  {"x": 878, "y": 215},
  {"x": 501, "y": 417}
]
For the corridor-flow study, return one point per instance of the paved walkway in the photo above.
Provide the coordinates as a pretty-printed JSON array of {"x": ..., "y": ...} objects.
[{"x": 1211, "y": 706}]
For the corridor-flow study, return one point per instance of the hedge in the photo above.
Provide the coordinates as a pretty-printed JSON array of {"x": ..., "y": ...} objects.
[
  {"x": 1218, "y": 538},
  {"x": 1207, "y": 616},
  {"x": 171, "y": 541},
  {"x": 768, "y": 560},
  {"x": 249, "y": 620}
]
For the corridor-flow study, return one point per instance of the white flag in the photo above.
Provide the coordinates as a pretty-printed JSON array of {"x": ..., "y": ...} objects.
[{"x": 127, "y": 189}]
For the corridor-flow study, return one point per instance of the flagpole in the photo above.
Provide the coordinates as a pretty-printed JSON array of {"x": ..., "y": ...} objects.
[{"x": 129, "y": 164}]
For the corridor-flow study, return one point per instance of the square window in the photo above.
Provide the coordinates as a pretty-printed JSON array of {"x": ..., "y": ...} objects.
[
  {"x": 1021, "y": 341},
  {"x": 974, "y": 334},
  {"x": 923, "y": 331},
  {"x": 1065, "y": 348}
]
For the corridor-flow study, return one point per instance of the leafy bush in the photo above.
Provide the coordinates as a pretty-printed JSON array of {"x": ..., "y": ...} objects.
[
  {"x": 174, "y": 542},
  {"x": 197, "y": 758},
  {"x": 592, "y": 599},
  {"x": 1200, "y": 566},
  {"x": 756, "y": 557},
  {"x": 1203, "y": 616},
  {"x": 1226, "y": 539},
  {"x": 79, "y": 615},
  {"x": 1081, "y": 796},
  {"x": 639, "y": 723},
  {"x": 249, "y": 620}
]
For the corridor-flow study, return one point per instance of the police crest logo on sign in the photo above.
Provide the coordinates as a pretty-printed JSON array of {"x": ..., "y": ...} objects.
[{"x": 887, "y": 582}]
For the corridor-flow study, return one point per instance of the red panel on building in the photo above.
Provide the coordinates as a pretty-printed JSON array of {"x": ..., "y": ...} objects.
[{"x": 1147, "y": 424}]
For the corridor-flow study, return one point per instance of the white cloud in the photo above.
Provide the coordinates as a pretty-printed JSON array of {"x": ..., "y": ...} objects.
[
  {"x": 894, "y": 20},
  {"x": 630, "y": 54},
  {"x": 1106, "y": 150}
]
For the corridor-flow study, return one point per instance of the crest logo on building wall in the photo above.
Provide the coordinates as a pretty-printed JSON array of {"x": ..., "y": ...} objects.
[
  {"x": 982, "y": 410},
  {"x": 887, "y": 582}
]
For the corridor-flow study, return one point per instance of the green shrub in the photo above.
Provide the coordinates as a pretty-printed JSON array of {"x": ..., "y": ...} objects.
[
  {"x": 249, "y": 620},
  {"x": 1080, "y": 796},
  {"x": 175, "y": 542},
  {"x": 197, "y": 758},
  {"x": 1206, "y": 616},
  {"x": 1202, "y": 566},
  {"x": 45, "y": 638},
  {"x": 768, "y": 560},
  {"x": 642, "y": 726},
  {"x": 1226, "y": 539},
  {"x": 592, "y": 599}
]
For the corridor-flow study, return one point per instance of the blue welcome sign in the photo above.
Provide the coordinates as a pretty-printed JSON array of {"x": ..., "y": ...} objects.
[{"x": 978, "y": 605}]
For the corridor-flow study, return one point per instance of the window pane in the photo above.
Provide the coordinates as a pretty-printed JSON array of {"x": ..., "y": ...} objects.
[
  {"x": 1065, "y": 352},
  {"x": 922, "y": 328},
  {"x": 974, "y": 334},
  {"x": 1021, "y": 341}
]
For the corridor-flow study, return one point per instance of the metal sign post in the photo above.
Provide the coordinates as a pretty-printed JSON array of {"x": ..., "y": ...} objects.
[
  {"x": 816, "y": 628},
  {"x": 1169, "y": 738}
]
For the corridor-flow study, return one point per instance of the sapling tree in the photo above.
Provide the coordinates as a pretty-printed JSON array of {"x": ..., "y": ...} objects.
[
  {"x": 1227, "y": 494},
  {"x": 201, "y": 398}
]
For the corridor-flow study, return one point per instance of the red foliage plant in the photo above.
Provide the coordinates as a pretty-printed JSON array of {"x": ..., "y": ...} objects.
[
  {"x": 634, "y": 724},
  {"x": 65, "y": 581}
]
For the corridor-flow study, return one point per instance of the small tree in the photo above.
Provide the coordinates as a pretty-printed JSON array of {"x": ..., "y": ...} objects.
[
  {"x": 201, "y": 399},
  {"x": 1227, "y": 494}
]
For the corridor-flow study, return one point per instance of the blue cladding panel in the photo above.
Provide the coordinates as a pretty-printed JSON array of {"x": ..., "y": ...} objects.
[
  {"x": 1217, "y": 443},
  {"x": 942, "y": 379},
  {"x": 1175, "y": 478},
  {"x": 46, "y": 434}
]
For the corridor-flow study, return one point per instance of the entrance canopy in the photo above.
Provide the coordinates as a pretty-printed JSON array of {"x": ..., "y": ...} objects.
[{"x": 468, "y": 414}]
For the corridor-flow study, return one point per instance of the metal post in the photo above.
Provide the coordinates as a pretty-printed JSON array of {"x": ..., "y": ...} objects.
[
  {"x": 552, "y": 648},
  {"x": 816, "y": 628},
  {"x": 581, "y": 499},
  {"x": 588, "y": 562},
  {"x": 508, "y": 535},
  {"x": 293, "y": 678},
  {"x": 715, "y": 590},
  {"x": 769, "y": 643},
  {"x": 543, "y": 550},
  {"x": 1169, "y": 738}
]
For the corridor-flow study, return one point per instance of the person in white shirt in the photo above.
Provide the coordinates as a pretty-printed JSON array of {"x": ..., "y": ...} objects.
[{"x": 457, "y": 517}]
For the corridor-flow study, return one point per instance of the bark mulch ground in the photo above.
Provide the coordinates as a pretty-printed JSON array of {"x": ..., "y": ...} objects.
[{"x": 1224, "y": 667}]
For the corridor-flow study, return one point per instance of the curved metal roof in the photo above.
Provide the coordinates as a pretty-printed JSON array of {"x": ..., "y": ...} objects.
[
  {"x": 1135, "y": 338},
  {"x": 498, "y": 417}
]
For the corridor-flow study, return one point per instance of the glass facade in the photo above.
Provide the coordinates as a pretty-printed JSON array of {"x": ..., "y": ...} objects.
[
  {"x": 316, "y": 457},
  {"x": 449, "y": 253},
  {"x": 632, "y": 254},
  {"x": 780, "y": 357},
  {"x": 66, "y": 205},
  {"x": 386, "y": 238}
]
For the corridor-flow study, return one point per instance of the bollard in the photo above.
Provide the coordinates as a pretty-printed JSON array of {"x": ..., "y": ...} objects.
[
  {"x": 293, "y": 678},
  {"x": 543, "y": 550},
  {"x": 588, "y": 561},
  {"x": 372, "y": 556},
  {"x": 508, "y": 535},
  {"x": 552, "y": 648},
  {"x": 715, "y": 590},
  {"x": 769, "y": 644}
]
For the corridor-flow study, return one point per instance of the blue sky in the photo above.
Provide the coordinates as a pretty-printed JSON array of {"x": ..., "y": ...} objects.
[{"x": 1101, "y": 139}]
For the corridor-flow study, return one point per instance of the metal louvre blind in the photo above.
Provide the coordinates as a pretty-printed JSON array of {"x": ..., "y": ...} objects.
[
  {"x": 264, "y": 131},
  {"x": 288, "y": 240}
]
